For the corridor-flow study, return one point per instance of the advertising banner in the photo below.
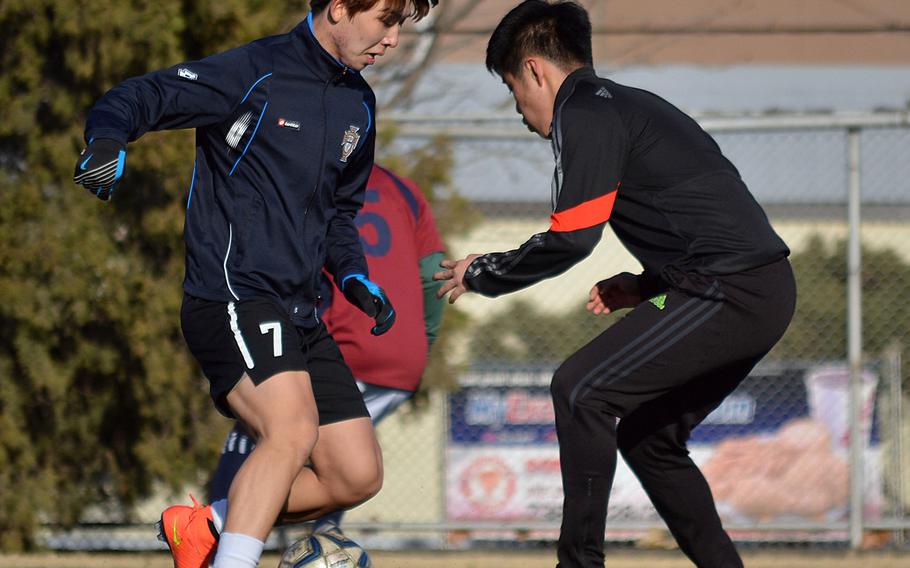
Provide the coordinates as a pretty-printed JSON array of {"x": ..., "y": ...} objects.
[{"x": 775, "y": 450}]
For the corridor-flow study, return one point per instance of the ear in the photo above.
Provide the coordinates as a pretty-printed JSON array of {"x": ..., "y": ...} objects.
[
  {"x": 534, "y": 68},
  {"x": 337, "y": 9}
]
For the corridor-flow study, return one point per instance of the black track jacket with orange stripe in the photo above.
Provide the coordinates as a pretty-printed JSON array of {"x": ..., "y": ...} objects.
[{"x": 627, "y": 156}]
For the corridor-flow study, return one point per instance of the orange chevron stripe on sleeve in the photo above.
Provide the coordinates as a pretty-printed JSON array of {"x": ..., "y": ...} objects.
[{"x": 588, "y": 214}]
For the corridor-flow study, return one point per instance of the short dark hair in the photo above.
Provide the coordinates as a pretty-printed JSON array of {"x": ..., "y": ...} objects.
[
  {"x": 418, "y": 8},
  {"x": 560, "y": 32}
]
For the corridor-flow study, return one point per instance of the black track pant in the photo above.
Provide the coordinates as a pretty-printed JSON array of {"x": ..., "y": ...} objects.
[{"x": 661, "y": 371}]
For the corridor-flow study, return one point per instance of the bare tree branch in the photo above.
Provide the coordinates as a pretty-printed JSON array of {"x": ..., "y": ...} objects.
[{"x": 444, "y": 21}]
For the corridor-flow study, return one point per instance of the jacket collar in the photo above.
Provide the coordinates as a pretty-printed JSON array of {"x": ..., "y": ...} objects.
[
  {"x": 323, "y": 63},
  {"x": 568, "y": 85}
]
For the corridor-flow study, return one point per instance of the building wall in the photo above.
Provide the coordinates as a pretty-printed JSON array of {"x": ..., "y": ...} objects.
[{"x": 712, "y": 32}]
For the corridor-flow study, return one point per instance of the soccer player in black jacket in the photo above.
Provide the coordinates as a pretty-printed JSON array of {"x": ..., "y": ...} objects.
[
  {"x": 285, "y": 129},
  {"x": 715, "y": 295}
]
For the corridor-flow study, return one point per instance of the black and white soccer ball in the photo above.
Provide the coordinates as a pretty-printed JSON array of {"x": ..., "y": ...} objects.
[{"x": 325, "y": 550}]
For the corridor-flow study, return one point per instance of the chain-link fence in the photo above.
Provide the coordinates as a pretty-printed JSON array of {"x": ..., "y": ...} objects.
[
  {"x": 788, "y": 457},
  {"x": 777, "y": 452}
]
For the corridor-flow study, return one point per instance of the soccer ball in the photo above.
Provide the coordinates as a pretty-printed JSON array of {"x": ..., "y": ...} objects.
[{"x": 325, "y": 550}]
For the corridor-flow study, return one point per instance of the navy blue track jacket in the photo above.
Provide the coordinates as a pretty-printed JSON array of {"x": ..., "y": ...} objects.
[{"x": 284, "y": 146}]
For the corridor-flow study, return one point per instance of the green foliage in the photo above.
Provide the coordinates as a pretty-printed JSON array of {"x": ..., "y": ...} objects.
[
  {"x": 99, "y": 398},
  {"x": 819, "y": 328}
]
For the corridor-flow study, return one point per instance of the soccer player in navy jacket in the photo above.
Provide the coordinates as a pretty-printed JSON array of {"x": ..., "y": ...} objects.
[
  {"x": 285, "y": 129},
  {"x": 403, "y": 250}
]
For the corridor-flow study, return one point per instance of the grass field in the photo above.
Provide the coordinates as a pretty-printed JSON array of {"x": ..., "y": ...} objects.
[{"x": 498, "y": 559}]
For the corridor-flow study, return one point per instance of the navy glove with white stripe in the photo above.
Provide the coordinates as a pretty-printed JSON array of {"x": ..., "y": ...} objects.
[
  {"x": 100, "y": 167},
  {"x": 371, "y": 300}
]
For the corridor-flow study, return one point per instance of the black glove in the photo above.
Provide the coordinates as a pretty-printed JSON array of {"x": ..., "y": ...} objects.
[
  {"x": 371, "y": 300},
  {"x": 100, "y": 167}
]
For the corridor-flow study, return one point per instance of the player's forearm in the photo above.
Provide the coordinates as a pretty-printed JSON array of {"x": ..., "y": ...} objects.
[
  {"x": 543, "y": 256},
  {"x": 344, "y": 251}
]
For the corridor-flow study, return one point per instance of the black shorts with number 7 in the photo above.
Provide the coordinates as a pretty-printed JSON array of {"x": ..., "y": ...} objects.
[{"x": 256, "y": 337}]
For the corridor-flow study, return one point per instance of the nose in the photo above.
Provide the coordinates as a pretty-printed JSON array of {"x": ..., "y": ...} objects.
[{"x": 391, "y": 38}]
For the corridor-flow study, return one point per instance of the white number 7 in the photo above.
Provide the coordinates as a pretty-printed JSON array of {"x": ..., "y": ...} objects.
[{"x": 275, "y": 327}]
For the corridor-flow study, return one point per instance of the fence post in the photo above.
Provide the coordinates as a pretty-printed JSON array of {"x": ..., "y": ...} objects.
[
  {"x": 444, "y": 463},
  {"x": 896, "y": 419},
  {"x": 854, "y": 337}
]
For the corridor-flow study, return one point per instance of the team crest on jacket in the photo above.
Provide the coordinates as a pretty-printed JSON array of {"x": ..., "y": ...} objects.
[{"x": 349, "y": 142}]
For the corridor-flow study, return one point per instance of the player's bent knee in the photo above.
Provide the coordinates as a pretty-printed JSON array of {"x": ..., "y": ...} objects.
[
  {"x": 643, "y": 448},
  {"x": 561, "y": 387},
  {"x": 367, "y": 480},
  {"x": 358, "y": 484},
  {"x": 627, "y": 443},
  {"x": 361, "y": 489},
  {"x": 365, "y": 491}
]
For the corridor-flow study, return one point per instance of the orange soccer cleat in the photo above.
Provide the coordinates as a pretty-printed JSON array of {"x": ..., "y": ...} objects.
[{"x": 190, "y": 534}]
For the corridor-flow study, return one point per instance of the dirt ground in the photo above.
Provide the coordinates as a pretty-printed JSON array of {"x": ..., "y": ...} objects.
[{"x": 538, "y": 559}]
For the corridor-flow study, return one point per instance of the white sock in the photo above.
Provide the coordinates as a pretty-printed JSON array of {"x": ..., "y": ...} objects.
[
  {"x": 219, "y": 514},
  {"x": 237, "y": 550}
]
